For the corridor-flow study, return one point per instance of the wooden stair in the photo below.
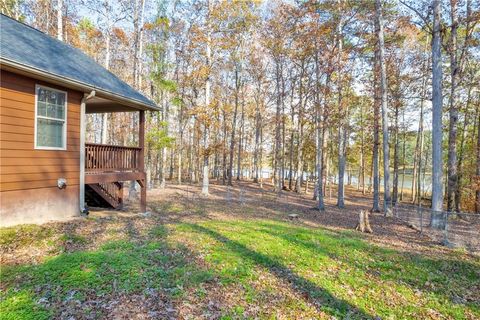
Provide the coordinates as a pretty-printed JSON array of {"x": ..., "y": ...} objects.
[{"x": 105, "y": 194}]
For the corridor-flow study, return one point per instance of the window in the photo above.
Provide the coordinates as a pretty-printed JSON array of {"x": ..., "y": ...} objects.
[{"x": 50, "y": 118}]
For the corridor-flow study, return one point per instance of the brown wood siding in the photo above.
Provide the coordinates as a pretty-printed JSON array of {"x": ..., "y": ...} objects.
[{"x": 21, "y": 166}]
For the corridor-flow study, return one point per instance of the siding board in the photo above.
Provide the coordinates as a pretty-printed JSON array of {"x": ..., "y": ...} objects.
[
  {"x": 9, "y": 128},
  {"x": 35, "y": 154},
  {"x": 26, "y": 185},
  {"x": 28, "y": 177},
  {"x": 16, "y": 121},
  {"x": 17, "y": 145},
  {"x": 19, "y": 169},
  {"x": 22, "y": 166},
  {"x": 18, "y": 162},
  {"x": 72, "y": 137},
  {"x": 12, "y": 111}
]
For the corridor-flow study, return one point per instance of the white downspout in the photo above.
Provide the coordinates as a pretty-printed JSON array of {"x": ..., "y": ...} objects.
[{"x": 82, "y": 150}]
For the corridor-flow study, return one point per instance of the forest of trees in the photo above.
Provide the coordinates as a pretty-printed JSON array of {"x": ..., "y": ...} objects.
[{"x": 380, "y": 95}]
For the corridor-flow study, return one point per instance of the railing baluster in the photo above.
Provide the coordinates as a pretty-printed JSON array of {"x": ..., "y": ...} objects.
[{"x": 107, "y": 158}]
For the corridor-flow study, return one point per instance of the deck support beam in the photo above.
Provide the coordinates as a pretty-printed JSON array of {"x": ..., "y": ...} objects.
[
  {"x": 106, "y": 177},
  {"x": 141, "y": 162}
]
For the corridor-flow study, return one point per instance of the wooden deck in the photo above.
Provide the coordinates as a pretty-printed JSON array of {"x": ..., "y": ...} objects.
[
  {"x": 108, "y": 163},
  {"x": 108, "y": 166}
]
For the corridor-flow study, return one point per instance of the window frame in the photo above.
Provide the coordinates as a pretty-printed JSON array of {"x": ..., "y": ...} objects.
[{"x": 64, "y": 144}]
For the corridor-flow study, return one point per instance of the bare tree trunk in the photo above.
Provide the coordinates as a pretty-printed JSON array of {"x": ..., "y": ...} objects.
[
  {"x": 149, "y": 168},
  {"x": 404, "y": 165},
  {"x": 136, "y": 37},
  {"x": 416, "y": 158},
  {"x": 326, "y": 156},
  {"x": 383, "y": 93},
  {"x": 138, "y": 75},
  {"x": 292, "y": 136},
  {"x": 376, "y": 142},
  {"x": 205, "y": 182},
  {"x": 404, "y": 150},
  {"x": 179, "y": 159},
  {"x": 107, "y": 66},
  {"x": 164, "y": 123},
  {"x": 283, "y": 141},
  {"x": 172, "y": 160},
  {"x": 477, "y": 193},
  {"x": 320, "y": 128},
  {"x": 361, "y": 169},
  {"x": 473, "y": 140},
  {"x": 361, "y": 176},
  {"x": 191, "y": 151},
  {"x": 60, "y": 20},
  {"x": 437, "y": 163},
  {"x": 132, "y": 189},
  {"x": 104, "y": 128},
  {"x": 298, "y": 184},
  {"x": 260, "y": 160},
  {"x": 452, "y": 177},
  {"x": 180, "y": 145},
  {"x": 240, "y": 139},
  {"x": 417, "y": 165},
  {"x": 224, "y": 161},
  {"x": 257, "y": 141},
  {"x": 234, "y": 123},
  {"x": 395, "y": 151},
  {"x": 329, "y": 165},
  {"x": 458, "y": 191},
  {"x": 277, "y": 176},
  {"x": 317, "y": 145},
  {"x": 421, "y": 166},
  {"x": 342, "y": 125}
]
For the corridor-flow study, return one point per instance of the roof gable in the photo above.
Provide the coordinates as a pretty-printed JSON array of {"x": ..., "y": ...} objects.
[{"x": 32, "y": 48}]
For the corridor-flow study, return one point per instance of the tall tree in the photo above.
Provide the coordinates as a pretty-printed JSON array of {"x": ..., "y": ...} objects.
[
  {"x": 342, "y": 130},
  {"x": 320, "y": 127},
  {"x": 387, "y": 201},
  {"x": 60, "y": 20},
  {"x": 477, "y": 169},
  {"x": 452, "y": 177},
  {"x": 437, "y": 107},
  {"x": 205, "y": 181}
]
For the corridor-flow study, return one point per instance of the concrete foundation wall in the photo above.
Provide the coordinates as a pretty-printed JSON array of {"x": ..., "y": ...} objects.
[{"x": 38, "y": 205}]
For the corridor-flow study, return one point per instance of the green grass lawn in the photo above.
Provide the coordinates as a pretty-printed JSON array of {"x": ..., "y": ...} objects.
[
  {"x": 236, "y": 269},
  {"x": 343, "y": 275}
]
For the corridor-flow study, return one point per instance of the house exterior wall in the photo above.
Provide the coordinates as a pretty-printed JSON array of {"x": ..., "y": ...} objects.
[{"x": 28, "y": 177}]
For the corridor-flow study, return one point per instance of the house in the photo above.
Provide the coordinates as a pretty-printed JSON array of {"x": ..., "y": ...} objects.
[{"x": 47, "y": 170}]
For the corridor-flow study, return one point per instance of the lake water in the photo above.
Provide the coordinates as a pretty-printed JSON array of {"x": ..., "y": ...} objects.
[
  {"x": 407, "y": 180},
  {"x": 426, "y": 184}
]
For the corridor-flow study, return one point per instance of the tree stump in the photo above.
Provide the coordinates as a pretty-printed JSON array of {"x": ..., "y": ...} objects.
[{"x": 363, "y": 224}]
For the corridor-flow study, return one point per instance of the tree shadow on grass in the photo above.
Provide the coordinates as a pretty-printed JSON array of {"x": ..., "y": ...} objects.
[
  {"x": 322, "y": 299},
  {"x": 104, "y": 282},
  {"x": 447, "y": 278}
]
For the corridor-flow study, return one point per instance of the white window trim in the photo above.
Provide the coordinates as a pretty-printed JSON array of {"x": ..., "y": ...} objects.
[{"x": 37, "y": 147}]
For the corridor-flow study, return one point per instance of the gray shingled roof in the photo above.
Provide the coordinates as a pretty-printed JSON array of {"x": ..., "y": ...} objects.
[{"x": 32, "y": 48}]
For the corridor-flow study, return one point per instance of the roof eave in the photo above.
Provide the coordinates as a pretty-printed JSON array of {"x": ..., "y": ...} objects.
[{"x": 75, "y": 84}]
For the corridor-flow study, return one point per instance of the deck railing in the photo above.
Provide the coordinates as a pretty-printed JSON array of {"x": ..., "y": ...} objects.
[{"x": 108, "y": 158}]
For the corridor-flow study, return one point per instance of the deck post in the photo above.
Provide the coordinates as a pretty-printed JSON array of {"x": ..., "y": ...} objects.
[
  {"x": 141, "y": 161},
  {"x": 83, "y": 107}
]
